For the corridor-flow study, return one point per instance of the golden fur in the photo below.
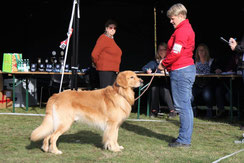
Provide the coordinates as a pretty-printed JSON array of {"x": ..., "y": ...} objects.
[{"x": 105, "y": 108}]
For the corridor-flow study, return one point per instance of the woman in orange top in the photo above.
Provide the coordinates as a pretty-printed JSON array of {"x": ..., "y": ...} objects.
[{"x": 106, "y": 55}]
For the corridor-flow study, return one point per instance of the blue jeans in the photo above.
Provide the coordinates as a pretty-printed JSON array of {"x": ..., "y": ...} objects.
[{"x": 181, "y": 84}]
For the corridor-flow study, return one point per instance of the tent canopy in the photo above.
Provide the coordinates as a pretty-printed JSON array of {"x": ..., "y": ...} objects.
[{"x": 36, "y": 28}]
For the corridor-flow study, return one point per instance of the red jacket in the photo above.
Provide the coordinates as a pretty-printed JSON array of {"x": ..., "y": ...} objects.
[
  {"x": 180, "y": 47},
  {"x": 106, "y": 54}
]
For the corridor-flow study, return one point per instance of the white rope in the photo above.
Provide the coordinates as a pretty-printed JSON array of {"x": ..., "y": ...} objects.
[
  {"x": 24, "y": 114},
  {"x": 66, "y": 51},
  {"x": 145, "y": 120},
  {"x": 228, "y": 156}
]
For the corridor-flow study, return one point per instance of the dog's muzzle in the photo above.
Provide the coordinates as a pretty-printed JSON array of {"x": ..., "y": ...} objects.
[{"x": 141, "y": 82}]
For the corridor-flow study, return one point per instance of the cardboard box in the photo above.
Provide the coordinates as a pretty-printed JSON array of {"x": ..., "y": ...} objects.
[
  {"x": 8, "y": 94},
  {"x": 5, "y": 102}
]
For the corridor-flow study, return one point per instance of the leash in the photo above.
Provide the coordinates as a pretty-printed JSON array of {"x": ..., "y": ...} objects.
[{"x": 148, "y": 84}]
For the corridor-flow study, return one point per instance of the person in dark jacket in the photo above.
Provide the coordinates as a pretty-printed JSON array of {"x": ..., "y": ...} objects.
[
  {"x": 239, "y": 48},
  {"x": 160, "y": 86},
  {"x": 227, "y": 65},
  {"x": 202, "y": 90}
]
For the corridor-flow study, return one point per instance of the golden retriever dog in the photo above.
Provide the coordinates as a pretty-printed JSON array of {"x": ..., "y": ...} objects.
[{"x": 105, "y": 108}]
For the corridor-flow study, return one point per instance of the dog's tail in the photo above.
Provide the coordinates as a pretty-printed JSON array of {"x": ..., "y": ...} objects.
[{"x": 46, "y": 128}]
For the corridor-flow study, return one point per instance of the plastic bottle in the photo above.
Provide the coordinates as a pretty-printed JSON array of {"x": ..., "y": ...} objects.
[
  {"x": 18, "y": 65},
  {"x": 24, "y": 66},
  {"x": 27, "y": 65},
  {"x": 21, "y": 65}
]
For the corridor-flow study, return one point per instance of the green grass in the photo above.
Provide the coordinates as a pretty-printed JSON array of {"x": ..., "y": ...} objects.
[{"x": 143, "y": 141}]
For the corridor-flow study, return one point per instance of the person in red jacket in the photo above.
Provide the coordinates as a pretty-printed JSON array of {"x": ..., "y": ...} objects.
[
  {"x": 180, "y": 65},
  {"x": 106, "y": 55}
]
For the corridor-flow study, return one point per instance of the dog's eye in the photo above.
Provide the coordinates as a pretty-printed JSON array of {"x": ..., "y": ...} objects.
[{"x": 132, "y": 77}]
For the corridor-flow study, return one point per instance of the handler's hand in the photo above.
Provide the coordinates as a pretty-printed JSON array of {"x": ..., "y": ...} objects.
[
  {"x": 218, "y": 71},
  {"x": 93, "y": 65},
  {"x": 160, "y": 67},
  {"x": 232, "y": 43},
  {"x": 149, "y": 71},
  {"x": 162, "y": 72}
]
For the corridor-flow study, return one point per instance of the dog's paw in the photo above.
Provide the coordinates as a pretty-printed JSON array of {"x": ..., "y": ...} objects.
[
  {"x": 45, "y": 148},
  {"x": 107, "y": 146},
  {"x": 121, "y": 147},
  {"x": 57, "y": 152},
  {"x": 112, "y": 148},
  {"x": 116, "y": 150}
]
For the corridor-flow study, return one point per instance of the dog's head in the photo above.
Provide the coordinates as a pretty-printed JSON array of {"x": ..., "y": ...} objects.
[{"x": 128, "y": 79}]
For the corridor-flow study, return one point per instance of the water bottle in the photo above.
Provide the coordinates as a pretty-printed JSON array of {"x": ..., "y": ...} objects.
[
  {"x": 27, "y": 65},
  {"x": 24, "y": 66},
  {"x": 18, "y": 65},
  {"x": 21, "y": 65}
]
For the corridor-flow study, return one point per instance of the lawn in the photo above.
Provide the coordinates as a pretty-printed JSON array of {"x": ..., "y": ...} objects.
[{"x": 144, "y": 141}]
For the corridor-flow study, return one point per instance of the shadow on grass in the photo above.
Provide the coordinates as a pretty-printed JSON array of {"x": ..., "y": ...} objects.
[
  {"x": 174, "y": 122},
  {"x": 82, "y": 137},
  {"x": 37, "y": 110},
  {"x": 146, "y": 132}
]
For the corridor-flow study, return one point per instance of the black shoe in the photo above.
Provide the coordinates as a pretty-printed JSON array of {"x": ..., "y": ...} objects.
[
  {"x": 173, "y": 140},
  {"x": 209, "y": 113},
  {"x": 194, "y": 111},
  {"x": 177, "y": 144},
  {"x": 220, "y": 113},
  {"x": 153, "y": 115}
]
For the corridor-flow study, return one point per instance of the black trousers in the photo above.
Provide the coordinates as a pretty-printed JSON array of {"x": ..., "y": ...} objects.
[
  {"x": 203, "y": 95},
  {"x": 160, "y": 92},
  {"x": 106, "y": 78}
]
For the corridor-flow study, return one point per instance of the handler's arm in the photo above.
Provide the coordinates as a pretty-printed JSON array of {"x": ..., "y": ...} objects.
[{"x": 176, "y": 51}]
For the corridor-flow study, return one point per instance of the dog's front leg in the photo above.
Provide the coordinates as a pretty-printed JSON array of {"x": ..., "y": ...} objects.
[
  {"x": 116, "y": 140},
  {"x": 110, "y": 137}
]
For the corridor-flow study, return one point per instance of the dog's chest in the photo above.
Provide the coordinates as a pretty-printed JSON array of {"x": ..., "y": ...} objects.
[{"x": 124, "y": 105}]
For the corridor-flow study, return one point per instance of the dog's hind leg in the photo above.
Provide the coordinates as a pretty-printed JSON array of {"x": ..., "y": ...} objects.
[
  {"x": 45, "y": 145},
  {"x": 54, "y": 137}
]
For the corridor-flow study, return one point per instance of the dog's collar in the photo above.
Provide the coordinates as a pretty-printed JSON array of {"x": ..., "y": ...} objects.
[{"x": 116, "y": 84}]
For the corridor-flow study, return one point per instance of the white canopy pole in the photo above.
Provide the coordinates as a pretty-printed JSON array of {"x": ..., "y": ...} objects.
[{"x": 70, "y": 30}]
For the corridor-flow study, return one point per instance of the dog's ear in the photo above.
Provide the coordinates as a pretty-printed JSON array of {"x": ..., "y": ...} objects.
[{"x": 121, "y": 80}]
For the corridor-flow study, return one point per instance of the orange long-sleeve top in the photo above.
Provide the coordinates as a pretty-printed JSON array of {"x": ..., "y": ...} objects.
[{"x": 106, "y": 54}]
